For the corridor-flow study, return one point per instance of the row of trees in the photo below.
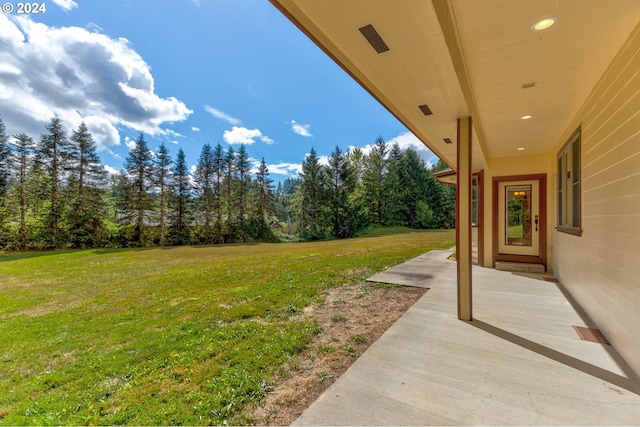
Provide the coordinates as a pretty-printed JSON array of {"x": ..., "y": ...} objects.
[
  {"x": 55, "y": 193},
  {"x": 355, "y": 190}
]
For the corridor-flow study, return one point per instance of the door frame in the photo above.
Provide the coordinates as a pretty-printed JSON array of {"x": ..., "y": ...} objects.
[{"x": 542, "y": 183}]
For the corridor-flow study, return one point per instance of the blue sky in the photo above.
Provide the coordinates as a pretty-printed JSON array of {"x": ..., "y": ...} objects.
[{"x": 186, "y": 73}]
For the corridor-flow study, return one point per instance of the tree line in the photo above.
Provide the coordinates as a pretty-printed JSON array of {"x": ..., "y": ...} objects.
[
  {"x": 55, "y": 193},
  {"x": 354, "y": 191}
]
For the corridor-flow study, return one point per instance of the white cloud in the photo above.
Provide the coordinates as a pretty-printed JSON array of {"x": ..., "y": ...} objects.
[
  {"x": 114, "y": 154},
  {"x": 221, "y": 115},
  {"x": 302, "y": 130},
  {"x": 409, "y": 140},
  {"x": 287, "y": 169},
  {"x": 406, "y": 140},
  {"x": 242, "y": 135},
  {"x": 130, "y": 143},
  {"x": 195, "y": 129},
  {"x": 66, "y": 5},
  {"x": 110, "y": 170},
  {"x": 81, "y": 75}
]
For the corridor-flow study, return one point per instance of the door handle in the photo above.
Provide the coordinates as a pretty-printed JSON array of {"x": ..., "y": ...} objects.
[{"x": 536, "y": 221}]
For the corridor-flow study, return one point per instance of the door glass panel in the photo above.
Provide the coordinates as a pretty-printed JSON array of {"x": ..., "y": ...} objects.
[{"x": 518, "y": 215}]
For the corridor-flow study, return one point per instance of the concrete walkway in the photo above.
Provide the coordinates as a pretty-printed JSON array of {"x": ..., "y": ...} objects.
[{"x": 519, "y": 363}]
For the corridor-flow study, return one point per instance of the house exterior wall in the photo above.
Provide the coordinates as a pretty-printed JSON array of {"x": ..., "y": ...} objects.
[{"x": 601, "y": 268}]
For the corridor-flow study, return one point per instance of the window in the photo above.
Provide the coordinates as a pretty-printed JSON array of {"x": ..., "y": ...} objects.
[{"x": 569, "y": 194}]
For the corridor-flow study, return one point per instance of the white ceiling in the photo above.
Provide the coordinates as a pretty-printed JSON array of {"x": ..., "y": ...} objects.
[{"x": 498, "y": 53}]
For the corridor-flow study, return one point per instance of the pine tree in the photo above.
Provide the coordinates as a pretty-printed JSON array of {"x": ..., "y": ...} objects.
[
  {"x": 375, "y": 194},
  {"x": 265, "y": 190},
  {"x": 416, "y": 183},
  {"x": 86, "y": 227},
  {"x": 393, "y": 187},
  {"x": 219, "y": 170},
  {"x": 243, "y": 168},
  {"x": 53, "y": 153},
  {"x": 22, "y": 163},
  {"x": 230, "y": 175},
  {"x": 340, "y": 182},
  {"x": 139, "y": 166},
  {"x": 204, "y": 180},
  {"x": 357, "y": 159},
  {"x": 5, "y": 154},
  {"x": 309, "y": 198},
  {"x": 182, "y": 207},
  {"x": 162, "y": 181}
]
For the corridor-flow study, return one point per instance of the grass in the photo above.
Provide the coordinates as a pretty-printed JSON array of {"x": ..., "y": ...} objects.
[{"x": 187, "y": 335}]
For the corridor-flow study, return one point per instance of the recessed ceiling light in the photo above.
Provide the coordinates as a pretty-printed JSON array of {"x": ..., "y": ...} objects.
[
  {"x": 520, "y": 148},
  {"x": 527, "y": 117},
  {"x": 543, "y": 24}
]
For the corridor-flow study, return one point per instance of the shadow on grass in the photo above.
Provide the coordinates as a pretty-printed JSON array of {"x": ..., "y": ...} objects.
[
  {"x": 13, "y": 256},
  {"x": 389, "y": 231}
]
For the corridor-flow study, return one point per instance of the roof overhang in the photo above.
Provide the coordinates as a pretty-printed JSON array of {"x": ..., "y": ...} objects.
[{"x": 476, "y": 58}]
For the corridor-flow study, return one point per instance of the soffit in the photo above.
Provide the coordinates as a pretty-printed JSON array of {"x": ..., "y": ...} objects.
[
  {"x": 416, "y": 69},
  {"x": 499, "y": 53},
  {"x": 565, "y": 62}
]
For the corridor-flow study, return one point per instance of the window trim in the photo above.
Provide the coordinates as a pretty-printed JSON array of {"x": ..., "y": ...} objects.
[{"x": 569, "y": 149}]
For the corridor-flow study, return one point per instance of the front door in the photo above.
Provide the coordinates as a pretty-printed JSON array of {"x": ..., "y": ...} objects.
[{"x": 520, "y": 226}]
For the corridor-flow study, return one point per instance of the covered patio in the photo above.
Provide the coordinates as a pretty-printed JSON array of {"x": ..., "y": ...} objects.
[{"x": 519, "y": 362}]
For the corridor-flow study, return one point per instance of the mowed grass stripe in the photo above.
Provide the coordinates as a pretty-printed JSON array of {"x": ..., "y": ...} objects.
[{"x": 167, "y": 336}]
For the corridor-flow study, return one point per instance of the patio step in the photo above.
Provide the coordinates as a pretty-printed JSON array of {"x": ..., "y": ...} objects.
[{"x": 520, "y": 267}]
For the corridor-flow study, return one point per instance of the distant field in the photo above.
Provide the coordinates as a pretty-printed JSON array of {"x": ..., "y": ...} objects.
[{"x": 186, "y": 335}]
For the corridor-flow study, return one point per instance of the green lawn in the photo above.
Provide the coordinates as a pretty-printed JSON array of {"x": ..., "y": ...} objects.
[{"x": 186, "y": 335}]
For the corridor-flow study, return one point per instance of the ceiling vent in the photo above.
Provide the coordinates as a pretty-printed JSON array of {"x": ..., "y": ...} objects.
[
  {"x": 374, "y": 38},
  {"x": 528, "y": 85},
  {"x": 447, "y": 141},
  {"x": 425, "y": 109}
]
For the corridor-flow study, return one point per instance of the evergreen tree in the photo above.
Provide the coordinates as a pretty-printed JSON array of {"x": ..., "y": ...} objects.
[
  {"x": 357, "y": 159},
  {"x": 243, "y": 168},
  {"x": 375, "y": 192},
  {"x": 182, "y": 208},
  {"x": 204, "y": 181},
  {"x": 22, "y": 163},
  {"x": 230, "y": 175},
  {"x": 310, "y": 198},
  {"x": 53, "y": 153},
  {"x": 416, "y": 184},
  {"x": 121, "y": 195},
  {"x": 393, "y": 187},
  {"x": 139, "y": 166},
  {"x": 219, "y": 170},
  {"x": 88, "y": 176},
  {"x": 265, "y": 191},
  {"x": 5, "y": 153},
  {"x": 340, "y": 181},
  {"x": 162, "y": 180}
]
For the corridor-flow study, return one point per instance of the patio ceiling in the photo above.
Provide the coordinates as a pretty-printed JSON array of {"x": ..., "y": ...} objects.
[{"x": 472, "y": 57}]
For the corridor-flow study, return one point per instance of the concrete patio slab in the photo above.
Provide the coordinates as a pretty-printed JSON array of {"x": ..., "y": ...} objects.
[
  {"x": 520, "y": 362},
  {"x": 418, "y": 272}
]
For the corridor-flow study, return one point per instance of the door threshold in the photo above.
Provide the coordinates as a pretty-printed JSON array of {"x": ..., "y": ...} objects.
[{"x": 520, "y": 267}]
